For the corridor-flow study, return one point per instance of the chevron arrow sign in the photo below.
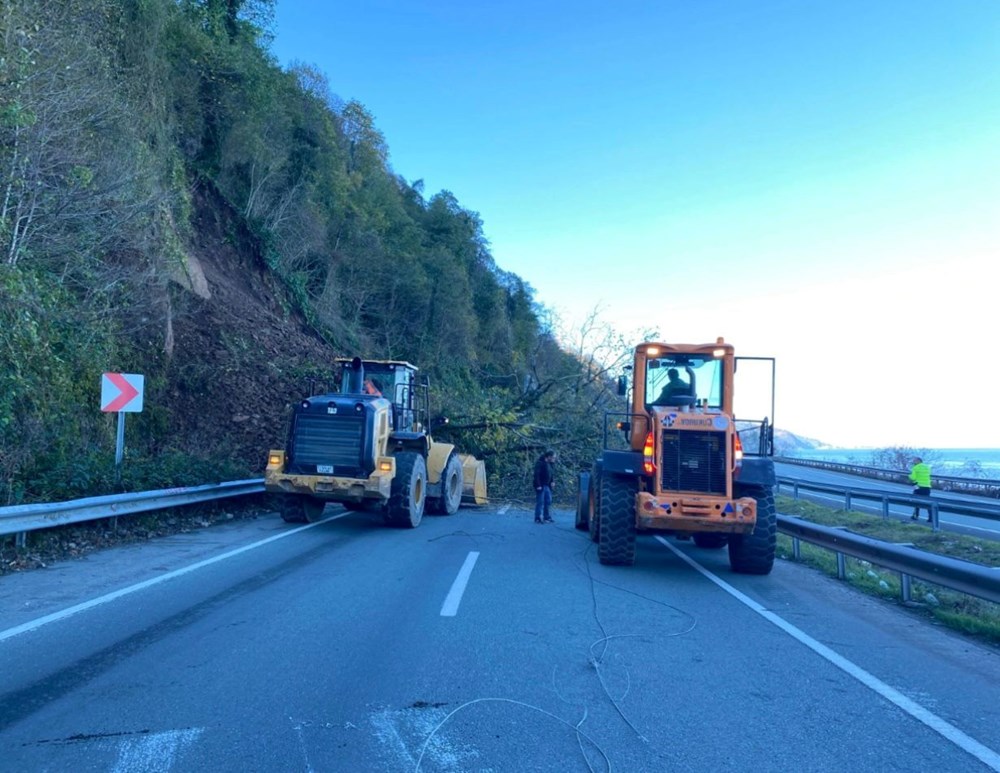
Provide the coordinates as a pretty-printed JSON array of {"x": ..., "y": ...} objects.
[{"x": 121, "y": 392}]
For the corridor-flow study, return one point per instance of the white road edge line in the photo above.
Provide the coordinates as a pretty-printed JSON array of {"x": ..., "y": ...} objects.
[
  {"x": 503, "y": 509},
  {"x": 33, "y": 625},
  {"x": 454, "y": 597},
  {"x": 983, "y": 753},
  {"x": 965, "y": 526}
]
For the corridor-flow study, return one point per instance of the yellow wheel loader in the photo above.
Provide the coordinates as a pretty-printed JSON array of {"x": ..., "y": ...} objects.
[
  {"x": 368, "y": 447},
  {"x": 684, "y": 468}
]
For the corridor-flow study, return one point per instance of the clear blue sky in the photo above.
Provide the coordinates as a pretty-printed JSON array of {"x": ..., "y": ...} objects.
[{"x": 818, "y": 181}]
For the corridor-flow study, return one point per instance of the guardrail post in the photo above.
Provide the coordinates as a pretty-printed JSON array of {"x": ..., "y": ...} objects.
[
  {"x": 795, "y": 491},
  {"x": 21, "y": 540},
  {"x": 847, "y": 500},
  {"x": 796, "y": 548},
  {"x": 935, "y": 523},
  {"x": 841, "y": 567},
  {"x": 906, "y": 586},
  {"x": 885, "y": 507}
]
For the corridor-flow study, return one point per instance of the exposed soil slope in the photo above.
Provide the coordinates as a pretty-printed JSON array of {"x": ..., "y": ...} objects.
[{"x": 240, "y": 355}]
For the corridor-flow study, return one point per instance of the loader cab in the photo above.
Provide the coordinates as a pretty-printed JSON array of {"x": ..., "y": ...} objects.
[
  {"x": 394, "y": 380},
  {"x": 683, "y": 380},
  {"x": 684, "y": 377}
]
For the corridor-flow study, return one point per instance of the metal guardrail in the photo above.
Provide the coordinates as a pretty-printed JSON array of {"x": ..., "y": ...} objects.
[
  {"x": 20, "y": 519},
  {"x": 964, "y": 576},
  {"x": 984, "y": 486},
  {"x": 937, "y": 504}
]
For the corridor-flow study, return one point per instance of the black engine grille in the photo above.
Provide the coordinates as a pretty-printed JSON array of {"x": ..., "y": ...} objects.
[
  {"x": 320, "y": 438},
  {"x": 694, "y": 461}
]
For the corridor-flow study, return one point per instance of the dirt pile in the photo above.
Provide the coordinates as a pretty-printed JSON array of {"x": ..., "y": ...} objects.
[{"x": 239, "y": 355}]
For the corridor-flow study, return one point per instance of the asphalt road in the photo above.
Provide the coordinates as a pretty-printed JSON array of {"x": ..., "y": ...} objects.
[
  {"x": 348, "y": 646},
  {"x": 978, "y": 527}
]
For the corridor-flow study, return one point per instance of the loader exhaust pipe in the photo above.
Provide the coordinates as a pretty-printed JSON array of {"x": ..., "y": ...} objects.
[{"x": 355, "y": 373}]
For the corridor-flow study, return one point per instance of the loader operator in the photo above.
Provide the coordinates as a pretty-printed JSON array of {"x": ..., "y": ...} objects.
[{"x": 676, "y": 387}]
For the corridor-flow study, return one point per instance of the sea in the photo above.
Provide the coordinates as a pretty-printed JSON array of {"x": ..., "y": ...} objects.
[{"x": 943, "y": 461}]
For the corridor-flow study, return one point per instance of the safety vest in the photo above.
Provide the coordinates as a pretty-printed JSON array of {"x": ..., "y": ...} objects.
[{"x": 921, "y": 475}]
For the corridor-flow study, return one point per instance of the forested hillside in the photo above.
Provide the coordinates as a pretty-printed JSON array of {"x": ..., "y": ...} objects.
[{"x": 175, "y": 203}]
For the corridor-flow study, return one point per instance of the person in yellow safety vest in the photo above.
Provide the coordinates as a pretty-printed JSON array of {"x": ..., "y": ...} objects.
[{"x": 920, "y": 475}]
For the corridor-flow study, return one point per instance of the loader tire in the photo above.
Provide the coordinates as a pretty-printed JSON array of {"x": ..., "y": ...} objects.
[
  {"x": 595, "y": 514},
  {"x": 451, "y": 488},
  {"x": 616, "y": 542},
  {"x": 584, "y": 503},
  {"x": 408, "y": 492},
  {"x": 710, "y": 540},
  {"x": 298, "y": 508},
  {"x": 754, "y": 553},
  {"x": 290, "y": 509}
]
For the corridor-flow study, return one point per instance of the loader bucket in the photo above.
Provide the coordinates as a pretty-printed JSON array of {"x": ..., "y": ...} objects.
[{"x": 473, "y": 480}]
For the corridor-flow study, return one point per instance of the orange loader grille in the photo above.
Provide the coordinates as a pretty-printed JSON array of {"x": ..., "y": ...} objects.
[{"x": 694, "y": 461}]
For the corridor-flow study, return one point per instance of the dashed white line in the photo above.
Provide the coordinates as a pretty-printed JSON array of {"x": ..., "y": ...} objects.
[
  {"x": 454, "y": 597},
  {"x": 33, "y": 625},
  {"x": 983, "y": 753},
  {"x": 503, "y": 509}
]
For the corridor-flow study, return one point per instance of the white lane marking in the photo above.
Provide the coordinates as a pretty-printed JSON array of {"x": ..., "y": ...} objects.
[
  {"x": 400, "y": 730},
  {"x": 983, "y": 753},
  {"x": 32, "y": 625},
  {"x": 454, "y": 597},
  {"x": 304, "y": 749},
  {"x": 155, "y": 752},
  {"x": 503, "y": 509},
  {"x": 971, "y": 528}
]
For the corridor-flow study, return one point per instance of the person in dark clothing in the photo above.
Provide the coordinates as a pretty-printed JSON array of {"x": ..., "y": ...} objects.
[
  {"x": 544, "y": 477},
  {"x": 675, "y": 387}
]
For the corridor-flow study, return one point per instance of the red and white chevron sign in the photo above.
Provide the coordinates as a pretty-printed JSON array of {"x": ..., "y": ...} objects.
[{"x": 121, "y": 392}]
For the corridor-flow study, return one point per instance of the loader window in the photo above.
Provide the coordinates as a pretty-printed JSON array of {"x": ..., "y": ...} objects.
[{"x": 681, "y": 380}]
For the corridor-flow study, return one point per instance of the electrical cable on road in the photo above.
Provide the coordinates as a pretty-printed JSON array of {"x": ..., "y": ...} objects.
[
  {"x": 576, "y": 728},
  {"x": 598, "y": 660},
  {"x": 594, "y": 660}
]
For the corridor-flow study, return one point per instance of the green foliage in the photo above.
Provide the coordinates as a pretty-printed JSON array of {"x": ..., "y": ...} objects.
[
  {"x": 147, "y": 101},
  {"x": 50, "y": 366},
  {"x": 92, "y": 473}
]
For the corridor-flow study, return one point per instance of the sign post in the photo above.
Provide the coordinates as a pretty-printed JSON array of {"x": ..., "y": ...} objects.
[{"x": 121, "y": 393}]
